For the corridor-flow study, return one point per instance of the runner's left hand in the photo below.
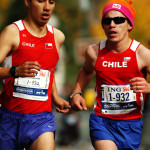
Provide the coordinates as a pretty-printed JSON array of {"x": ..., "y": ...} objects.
[
  {"x": 139, "y": 85},
  {"x": 60, "y": 105}
]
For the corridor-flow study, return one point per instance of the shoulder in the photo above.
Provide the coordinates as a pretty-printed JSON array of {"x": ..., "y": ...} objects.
[
  {"x": 9, "y": 40},
  {"x": 10, "y": 30},
  {"x": 10, "y": 35},
  {"x": 92, "y": 51},
  {"x": 143, "y": 55},
  {"x": 91, "y": 54},
  {"x": 59, "y": 36},
  {"x": 142, "y": 51}
]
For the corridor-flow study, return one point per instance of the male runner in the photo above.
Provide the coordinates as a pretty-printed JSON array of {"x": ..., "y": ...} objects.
[
  {"x": 29, "y": 50},
  {"x": 121, "y": 64}
]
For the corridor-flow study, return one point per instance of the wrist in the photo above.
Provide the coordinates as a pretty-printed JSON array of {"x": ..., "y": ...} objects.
[
  {"x": 13, "y": 71},
  {"x": 73, "y": 94},
  {"x": 54, "y": 96}
]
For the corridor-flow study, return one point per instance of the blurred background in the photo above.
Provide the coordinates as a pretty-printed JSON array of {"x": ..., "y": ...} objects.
[{"x": 79, "y": 20}]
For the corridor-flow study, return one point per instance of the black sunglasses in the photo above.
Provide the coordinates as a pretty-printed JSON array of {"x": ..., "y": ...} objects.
[{"x": 117, "y": 20}]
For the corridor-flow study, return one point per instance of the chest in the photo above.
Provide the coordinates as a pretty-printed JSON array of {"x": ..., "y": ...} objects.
[
  {"x": 112, "y": 62},
  {"x": 32, "y": 48}
]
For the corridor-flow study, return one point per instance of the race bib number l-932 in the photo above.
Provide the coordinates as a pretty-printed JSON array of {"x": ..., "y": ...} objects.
[
  {"x": 33, "y": 88},
  {"x": 117, "y": 99}
]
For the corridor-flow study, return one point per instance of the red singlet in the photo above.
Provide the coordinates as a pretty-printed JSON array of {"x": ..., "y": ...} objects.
[
  {"x": 114, "y": 98},
  {"x": 31, "y": 95}
]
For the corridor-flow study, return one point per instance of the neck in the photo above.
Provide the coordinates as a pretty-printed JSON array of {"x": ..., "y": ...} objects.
[
  {"x": 34, "y": 28},
  {"x": 118, "y": 47}
]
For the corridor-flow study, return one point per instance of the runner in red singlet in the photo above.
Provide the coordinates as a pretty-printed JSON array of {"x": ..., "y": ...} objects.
[
  {"x": 29, "y": 50},
  {"x": 121, "y": 65}
]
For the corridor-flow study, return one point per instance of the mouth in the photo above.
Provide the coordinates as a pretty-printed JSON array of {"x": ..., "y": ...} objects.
[
  {"x": 45, "y": 16},
  {"x": 112, "y": 33}
]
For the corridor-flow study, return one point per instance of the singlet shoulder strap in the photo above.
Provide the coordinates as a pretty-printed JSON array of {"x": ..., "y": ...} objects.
[
  {"x": 50, "y": 28},
  {"x": 102, "y": 44},
  {"x": 20, "y": 25},
  {"x": 134, "y": 46}
]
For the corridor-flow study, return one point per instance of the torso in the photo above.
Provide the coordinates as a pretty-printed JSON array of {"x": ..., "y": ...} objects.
[
  {"x": 31, "y": 48},
  {"x": 113, "y": 71}
]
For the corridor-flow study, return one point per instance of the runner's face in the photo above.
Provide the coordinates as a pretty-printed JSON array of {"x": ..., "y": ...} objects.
[
  {"x": 116, "y": 32},
  {"x": 41, "y": 10}
]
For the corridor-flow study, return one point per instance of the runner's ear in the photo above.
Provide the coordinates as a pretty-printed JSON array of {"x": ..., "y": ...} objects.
[
  {"x": 27, "y": 3},
  {"x": 130, "y": 28}
]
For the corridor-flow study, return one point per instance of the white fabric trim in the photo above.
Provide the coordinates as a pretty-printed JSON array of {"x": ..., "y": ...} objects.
[
  {"x": 7, "y": 63},
  {"x": 20, "y": 25},
  {"x": 95, "y": 101},
  {"x": 50, "y": 28},
  {"x": 102, "y": 44},
  {"x": 142, "y": 102},
  {"x": 134, "y": 45}
]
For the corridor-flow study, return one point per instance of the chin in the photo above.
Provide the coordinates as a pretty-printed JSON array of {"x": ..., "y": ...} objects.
[
  {"x": 43, "y": 22},
  {"x": 113, "y": 40}
]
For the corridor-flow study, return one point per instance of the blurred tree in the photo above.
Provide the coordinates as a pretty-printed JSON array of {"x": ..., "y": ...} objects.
[
  {"x": 4, "y": 5},
  {"x": 16, "y": 11},
  {"x": 72, "y": 22},
  {"x": 141, "y": 30}
]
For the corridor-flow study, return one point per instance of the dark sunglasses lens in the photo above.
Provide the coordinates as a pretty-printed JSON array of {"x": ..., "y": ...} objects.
[
  {"x": 106, "y": 21},
  {"x": 119, "y": 20}
]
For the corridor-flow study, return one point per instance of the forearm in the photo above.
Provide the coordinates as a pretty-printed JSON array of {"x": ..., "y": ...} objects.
[
  {"x": 148, "y": 87},
  {"x": 54, "y": 90},
  {"x": 82, "y": 80},
  {"x": 148, "y": 79},
  {"x": 58, "y": 101},
  {"x": 4, "y": 73}
]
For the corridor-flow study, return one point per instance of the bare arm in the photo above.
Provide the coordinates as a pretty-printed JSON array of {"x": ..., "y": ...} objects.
[
  {"x": 59, "y": 39},
  {"x": 84, "y": 77},
  {"x": 57, "y": 100},
  {"x": 9, "y": 42},
  {"x": 140, "y": 85}
]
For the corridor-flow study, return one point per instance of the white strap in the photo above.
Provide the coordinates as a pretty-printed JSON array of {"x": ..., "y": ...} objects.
[
  {"x": 20, "y": 25},
  {"x": 50, "y": 28},
  {"x": 102, "y": 44},
  {"x": 134, "y": 45}
]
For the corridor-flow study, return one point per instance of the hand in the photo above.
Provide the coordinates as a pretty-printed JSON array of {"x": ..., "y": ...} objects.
[
  {"x": 28, "y": 69},
  {"x": 140, "y": 85},
  {"x": 61, "y": 105},
  {"x": 78, "y": 103}
]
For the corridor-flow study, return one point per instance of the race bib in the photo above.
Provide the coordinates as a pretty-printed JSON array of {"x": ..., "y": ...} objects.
[
  {"x": 117, "y": 99},
  {"x": 33, "y": 88}
]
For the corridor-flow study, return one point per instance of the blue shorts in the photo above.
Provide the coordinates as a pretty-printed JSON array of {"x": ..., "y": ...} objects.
[
  {"x": 18, "y": 131},
  {"x": 126, "y": 134}
]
